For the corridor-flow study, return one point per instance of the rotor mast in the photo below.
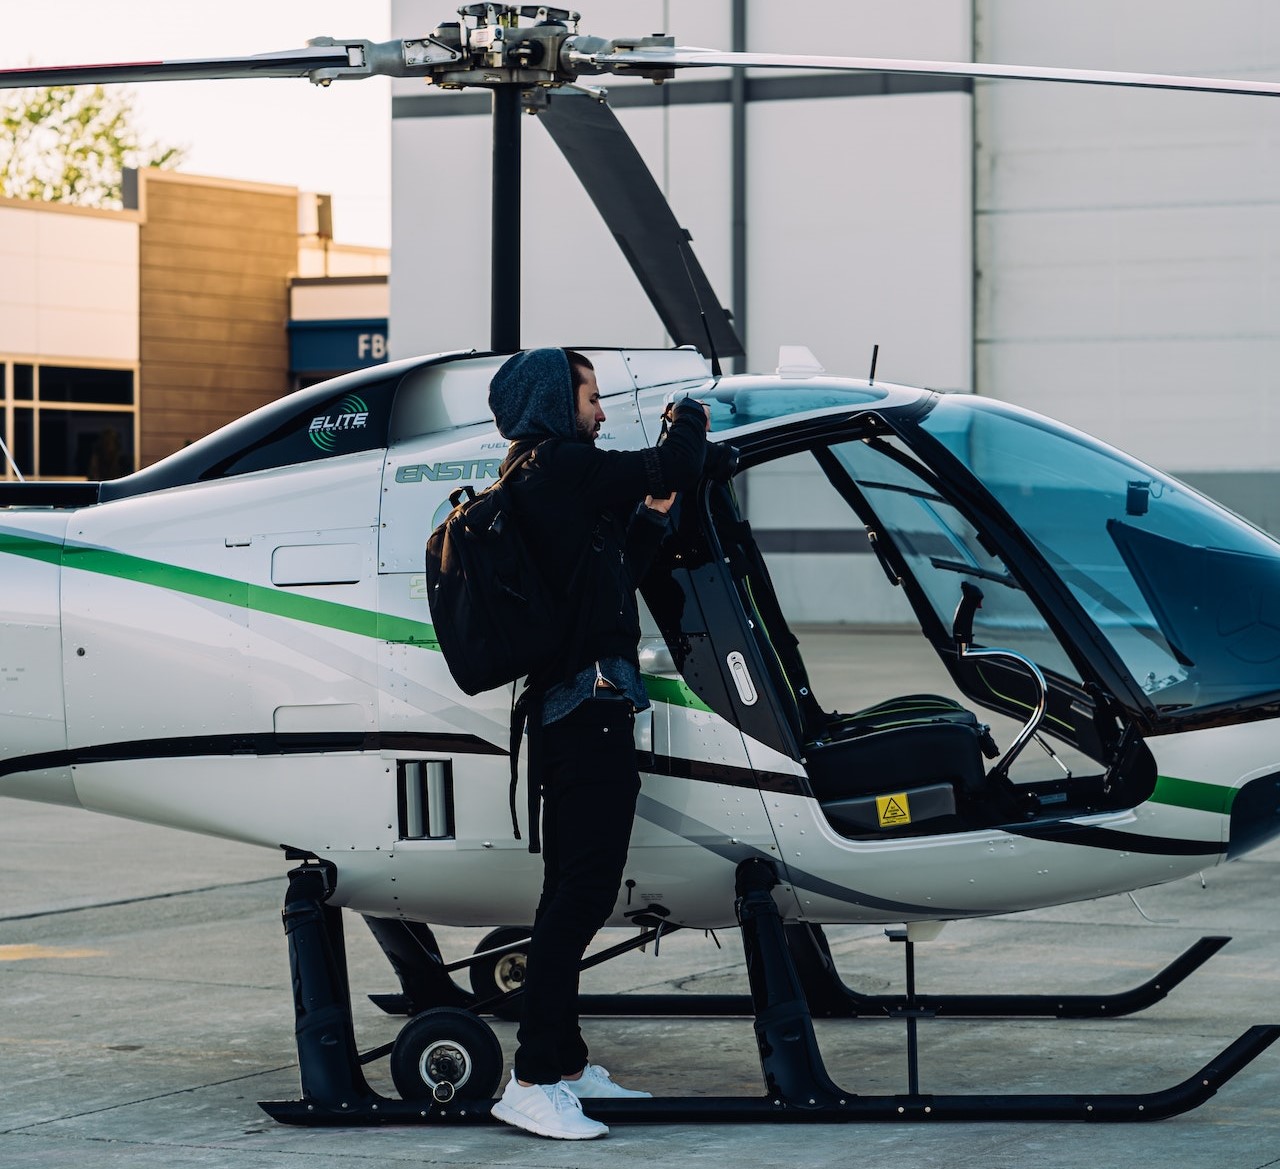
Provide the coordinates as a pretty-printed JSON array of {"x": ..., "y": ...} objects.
[
  {"x": 513, "y": 61},
  {"x": 504, "y": 260}
]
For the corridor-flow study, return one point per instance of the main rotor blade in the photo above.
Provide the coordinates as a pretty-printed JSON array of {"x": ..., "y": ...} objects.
[
  {"x": 634, "y": 209},
  {"x": 656, "y": 58},
  {"x": 289, "y": 63}
]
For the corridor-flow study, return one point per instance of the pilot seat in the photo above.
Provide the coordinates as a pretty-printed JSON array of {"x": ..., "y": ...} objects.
[
  {"x": 912, "y": 763},
  {"x": 898, "y": 763}
]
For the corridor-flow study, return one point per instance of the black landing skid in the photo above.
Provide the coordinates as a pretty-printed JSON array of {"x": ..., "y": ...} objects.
[
  {"x": 425, "y": 982},
  {"x": 797, "y": 1086}
]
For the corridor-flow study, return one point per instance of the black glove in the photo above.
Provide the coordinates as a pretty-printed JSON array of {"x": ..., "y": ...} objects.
[
  {"x": 720, "y": 461},
  {"x": 682, "y": 406}
]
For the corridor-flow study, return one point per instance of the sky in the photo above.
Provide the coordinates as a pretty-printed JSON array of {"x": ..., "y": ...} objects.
[{"x": 335, "y": 140}]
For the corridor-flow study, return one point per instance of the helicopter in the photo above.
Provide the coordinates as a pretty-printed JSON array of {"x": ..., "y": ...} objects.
[{"x": 235, "y": 641}]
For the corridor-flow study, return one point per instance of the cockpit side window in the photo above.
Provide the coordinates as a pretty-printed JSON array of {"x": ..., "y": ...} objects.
[{"x": 942, "y": 548}]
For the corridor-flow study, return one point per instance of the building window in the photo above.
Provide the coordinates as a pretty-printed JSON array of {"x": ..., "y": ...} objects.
[{"x": 70, "y": 422}]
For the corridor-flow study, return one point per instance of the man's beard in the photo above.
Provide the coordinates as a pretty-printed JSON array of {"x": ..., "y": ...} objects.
[{"x": 587, "y": 430}]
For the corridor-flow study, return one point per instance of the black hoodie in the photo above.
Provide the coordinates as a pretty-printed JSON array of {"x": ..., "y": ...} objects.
[{"x": 578, "y": 503}]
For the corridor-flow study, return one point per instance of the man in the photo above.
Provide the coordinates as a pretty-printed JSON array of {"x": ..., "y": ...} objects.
[{"x": 593, "y": 518}]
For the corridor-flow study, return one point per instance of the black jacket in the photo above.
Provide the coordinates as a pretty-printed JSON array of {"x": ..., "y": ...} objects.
[{"x": 578, "y": 505}]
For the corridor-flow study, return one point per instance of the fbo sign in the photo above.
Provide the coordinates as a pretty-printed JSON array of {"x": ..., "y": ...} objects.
[
  {"x": 327, "y": 347},
  {"x": 371, "y": 346}
]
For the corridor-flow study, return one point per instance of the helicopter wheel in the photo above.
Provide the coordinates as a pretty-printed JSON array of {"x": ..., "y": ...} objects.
[
  {"x": 444, "y": 1054},
  {"x": 500, "y": 973}
]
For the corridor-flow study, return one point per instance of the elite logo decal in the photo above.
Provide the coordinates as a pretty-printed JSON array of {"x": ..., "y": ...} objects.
[{"x": 352, "y": 414}]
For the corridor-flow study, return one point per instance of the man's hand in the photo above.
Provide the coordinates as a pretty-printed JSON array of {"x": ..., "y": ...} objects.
[
  {"x": 670, "y": 412},
  {"x": 661, "y": 506}
]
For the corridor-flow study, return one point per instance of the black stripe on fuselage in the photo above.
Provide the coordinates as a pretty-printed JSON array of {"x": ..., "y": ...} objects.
[
  {"x": 1064, "y": 832},
  {"x": 191, "y": 746},
  {"x": 695, "y": 770},
  {"x": 702, "y": 771}
]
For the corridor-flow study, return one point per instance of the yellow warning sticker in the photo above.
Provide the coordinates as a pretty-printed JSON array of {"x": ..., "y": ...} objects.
[{"x": 894, "y": 811}]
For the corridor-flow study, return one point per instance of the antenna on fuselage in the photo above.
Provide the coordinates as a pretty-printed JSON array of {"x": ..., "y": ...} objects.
[{"x": 875, "y": 355}]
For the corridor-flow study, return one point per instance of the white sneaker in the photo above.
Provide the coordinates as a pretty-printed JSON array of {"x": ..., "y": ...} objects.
[
  {"x": 549, "y": 1110},
  {"x": 594, "y": 1083}
]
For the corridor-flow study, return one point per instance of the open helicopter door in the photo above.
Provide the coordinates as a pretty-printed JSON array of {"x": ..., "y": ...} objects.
[
  {"x": 719, "y": 685},
  {"x": 704, "y": 781},
  {"x": 701, "y": 784}
]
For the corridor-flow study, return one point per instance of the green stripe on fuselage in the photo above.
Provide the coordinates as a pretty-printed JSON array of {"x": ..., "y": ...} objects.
[
  {"x": 260, "y": 598},
  {"x": 672, "y": 691},
  {"x": 1193, "y": 794},
  {"x": 33, "y": 549},
  {"x": 257, "y": 598}
]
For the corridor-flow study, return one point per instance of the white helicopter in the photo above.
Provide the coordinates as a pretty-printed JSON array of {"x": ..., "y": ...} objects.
[{"x": 236, "y": 641}]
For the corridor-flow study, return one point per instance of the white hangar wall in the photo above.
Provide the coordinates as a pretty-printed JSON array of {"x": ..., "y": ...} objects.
[
  {"x": 1128, "y": 275},
  {"x": 1108, "y": 257},
  {"x": 859, "y": 232},
  {"x": 859, "y": 218}
]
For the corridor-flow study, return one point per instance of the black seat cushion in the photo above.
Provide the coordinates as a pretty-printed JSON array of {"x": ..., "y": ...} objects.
[{"x": 907, "y": 742}]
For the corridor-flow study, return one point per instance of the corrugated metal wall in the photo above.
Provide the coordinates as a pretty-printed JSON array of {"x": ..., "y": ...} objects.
[{"x": 1128, "y": 243}]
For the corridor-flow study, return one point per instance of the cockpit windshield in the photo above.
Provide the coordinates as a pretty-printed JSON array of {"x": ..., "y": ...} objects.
[{"x": 1186, "y": 593}]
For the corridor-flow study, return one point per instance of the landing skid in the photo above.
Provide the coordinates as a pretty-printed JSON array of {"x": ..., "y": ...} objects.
[
  {"x": 830, "y": 998},
  {"x": 425, "y": 982},
  {"x": 797, "y": 1086}
]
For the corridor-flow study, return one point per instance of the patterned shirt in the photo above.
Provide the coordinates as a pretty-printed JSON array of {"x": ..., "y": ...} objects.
[{"x": 566, "y": 697}]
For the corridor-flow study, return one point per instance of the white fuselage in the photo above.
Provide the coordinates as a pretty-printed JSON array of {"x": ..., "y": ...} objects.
[{"x": 251, "y": 658}]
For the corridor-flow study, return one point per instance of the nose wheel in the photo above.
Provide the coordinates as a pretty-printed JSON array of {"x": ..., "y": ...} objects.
[
  {"x": 446, "y": 1054},
  {"x": 501, "y": 972}
]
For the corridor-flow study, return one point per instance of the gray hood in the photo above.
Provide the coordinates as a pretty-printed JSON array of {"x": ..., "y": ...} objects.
[{"x": 531, "y": 396}]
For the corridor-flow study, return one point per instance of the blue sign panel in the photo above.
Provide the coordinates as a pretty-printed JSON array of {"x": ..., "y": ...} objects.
[{"x": 336, "y": 346}]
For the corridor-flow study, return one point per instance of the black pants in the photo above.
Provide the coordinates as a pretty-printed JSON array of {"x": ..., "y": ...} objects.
[{"x": 590, "y": 783}]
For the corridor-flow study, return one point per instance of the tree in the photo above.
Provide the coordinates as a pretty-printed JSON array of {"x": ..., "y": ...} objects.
[{"x": 70, "y": 144}]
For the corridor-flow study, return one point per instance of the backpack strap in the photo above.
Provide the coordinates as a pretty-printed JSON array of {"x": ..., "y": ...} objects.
[
  {"x": 519, "y": 716},
  {"x": 527, "y": 710}
]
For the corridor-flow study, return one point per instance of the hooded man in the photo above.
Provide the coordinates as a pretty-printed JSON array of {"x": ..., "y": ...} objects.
[{"x": 592, "y": 518}]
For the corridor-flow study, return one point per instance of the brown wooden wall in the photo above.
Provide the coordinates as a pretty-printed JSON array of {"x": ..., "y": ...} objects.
[{"x": 215, "y": 261}]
